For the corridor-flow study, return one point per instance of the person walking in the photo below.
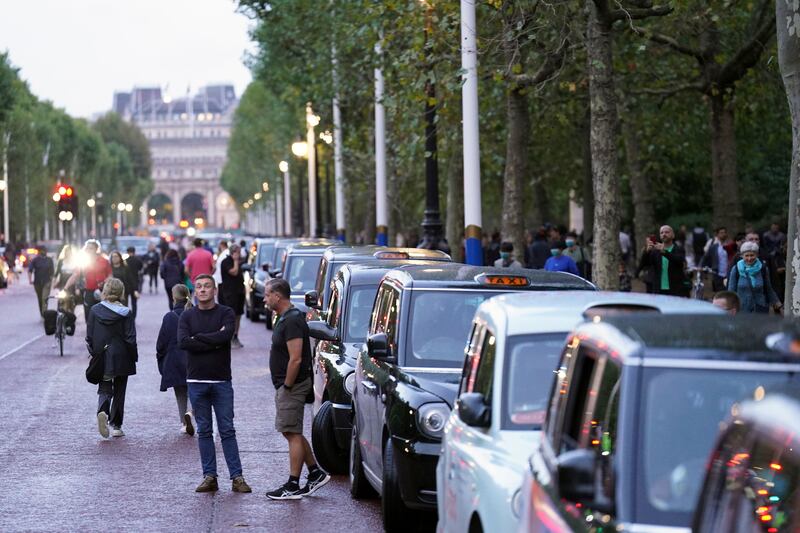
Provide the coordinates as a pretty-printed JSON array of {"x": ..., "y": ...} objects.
[
  {"x": 290, "y": 367},
  {"x": 90, "y": 278},
  {"x": 716, "y": 258},
  {"x": 222, "y": 253},
  {"x": 172, "y": 360},
  {"x": 749, "y": 279},
  {"x": 232, "y": 289},
  {"x": 151, "y": 262},
  {"x": 123, "y": 272},
  {"x": 506, "y": 259},
  {"x": 205, "y": 332},
  {"x": 172, "y": 272},
  {"x": 539, "y": 250},
  {"x": 667, "y": 259},
  {"x": 40, "y": 274},
  {"x": 199, "y": 261},
  {"x": 136, "y": 267},
  {"x": 559, "y": 261},
  {"x": 111, "y": 331},
  {"x": 581, "y": 256}
]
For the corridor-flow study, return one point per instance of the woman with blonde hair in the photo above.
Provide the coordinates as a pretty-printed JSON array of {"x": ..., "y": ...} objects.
[
  {"x": 172, "y": 360},
  {"x": 111, "y": 332}
]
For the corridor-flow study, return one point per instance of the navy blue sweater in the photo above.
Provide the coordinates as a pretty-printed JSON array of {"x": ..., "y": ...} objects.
[{"x": 206, "y": 336}]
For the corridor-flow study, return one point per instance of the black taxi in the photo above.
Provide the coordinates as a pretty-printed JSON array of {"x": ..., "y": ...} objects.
[
  {"x": 635, "y": 407},
  {"x": 300, "y": 267},
  {"x": 341, "y": 335},
  {"x": 407, "y": 375},
  {"x": 335, "y": 257},
  {"x": 256, "y": 274}
]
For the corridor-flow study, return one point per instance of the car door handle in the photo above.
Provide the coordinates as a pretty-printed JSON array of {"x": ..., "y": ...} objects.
[{"x": 368, "y": 386}]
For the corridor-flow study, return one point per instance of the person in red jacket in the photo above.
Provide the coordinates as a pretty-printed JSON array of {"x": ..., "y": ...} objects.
[{"x": 90, "y": 276}]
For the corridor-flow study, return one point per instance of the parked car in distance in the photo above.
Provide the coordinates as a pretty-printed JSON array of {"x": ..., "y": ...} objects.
[
  {"x": 511, "y": 357},
  {"x": 407, "y": 375},
  {"x": 300, "y": 269},
  {"x": 753, "y": 477},
  {"x": 633, "y": 414},
  {"x": 256, "y": 273},
  {"x": 281, "y": 248}
]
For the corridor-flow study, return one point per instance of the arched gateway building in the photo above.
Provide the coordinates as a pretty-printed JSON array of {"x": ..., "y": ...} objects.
[{"x": 188, "y": 143}]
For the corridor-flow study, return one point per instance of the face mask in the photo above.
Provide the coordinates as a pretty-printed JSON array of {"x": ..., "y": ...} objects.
[
  {"x": 505, "y": 256},
  {"x": 570, "y": 243},
  {"x": 555, "y": 252}
]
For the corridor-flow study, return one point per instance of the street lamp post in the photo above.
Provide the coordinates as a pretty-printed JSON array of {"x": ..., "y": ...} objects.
[
  {"x": 300, "y": 149},
  {"x": 471, "y": 144},
  {"x": 5, "y": 188},
  {"x": 381, "y": 213},
  {"x": 311, "y": 121},
  {"x": 338, "y": 167},
  {"x": 287, "y": 198},
  {"x": 92, "y": 204}
]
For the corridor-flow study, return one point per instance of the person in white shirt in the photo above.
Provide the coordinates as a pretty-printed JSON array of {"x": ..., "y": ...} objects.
[{"x": 222, "y": 253}]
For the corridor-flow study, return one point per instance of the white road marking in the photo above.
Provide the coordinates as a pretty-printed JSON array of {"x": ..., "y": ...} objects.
[{"x": 21, "y": 346}]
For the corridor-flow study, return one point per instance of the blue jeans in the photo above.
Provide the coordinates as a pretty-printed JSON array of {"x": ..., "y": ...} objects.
[{"x": 204, "y": 396}]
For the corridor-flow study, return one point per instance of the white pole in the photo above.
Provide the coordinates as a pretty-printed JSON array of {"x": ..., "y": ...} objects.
[
  {"x": 338, "y": 166},
  {"x": 312, "y": 174},
  {"x": 281, "y": 228},
  {"x": 6, "y": 141},
  {"x": 287, "y": 204},
  {"x": 381, "y": 218},
  {"x": 469, "y": 109}
]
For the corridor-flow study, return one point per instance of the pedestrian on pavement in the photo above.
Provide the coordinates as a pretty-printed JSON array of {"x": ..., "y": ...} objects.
[
  {"x": 728, "y": 301},
  {"x": 774, "y": 239},
  {"x": 199, "y": 261},
  {"x": 716, "y": 258},
  {"x": 581, "y": 256},
  {"x": 507, "y": 259},
  {"x": 696, "y": 243},
  {"x": 493, "y": 248},
  {"x": 111, "y": 330},
  {"x": 89, "y": 279},
  {"x": 749, "y": 279},
  {"x": 232, "y": 290},
  {"x": 151, "y": 262},
  {"x": 172, "y": 272},
  {"x": 290, "y": 367},
  {"x": 136, "y": 267},
  {"x": 123, "y": 272},
  {"x": 667, "y": 260},
  {"x": 539, "y": 250},
  {"x": 559, "y": 261},
  {"x": 205, "y": 332},
  {"x": 172, "y": 360},
  {"x": 222, "y": 253},
  {"x": 40, "y": 274}
]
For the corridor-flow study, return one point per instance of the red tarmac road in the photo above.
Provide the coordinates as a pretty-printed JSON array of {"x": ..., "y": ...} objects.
[{"x": 60, "y": 475}]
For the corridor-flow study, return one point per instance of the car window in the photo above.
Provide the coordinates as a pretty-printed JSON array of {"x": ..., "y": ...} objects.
[
  {"x": 302, "y": 272},
  {"x": 470, "y": 351},
  {"x": 333, "y": 308},
  {"x": 319, "y": 286},
  {"x": 265, "y": 253},
  {"x": 576, "y": 398},
  {"x": 558, "y": 396},
  {"x": 481, "y": 380},
  {"x": 379, "y": 311},
  {"x": 359, "y": 307},
  {"x": 530, "y": 365}
]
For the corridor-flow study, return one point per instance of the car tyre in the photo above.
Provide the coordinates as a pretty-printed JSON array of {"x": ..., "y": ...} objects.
[
  {"x": 396, "y": 516},
  {"x": 253, "y": 314},
  {"x": 323, "y": 440},
  {"x": 359, "y": 484}
]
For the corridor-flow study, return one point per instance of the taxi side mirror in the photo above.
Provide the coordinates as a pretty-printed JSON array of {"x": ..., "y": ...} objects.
[
  {"x": 312, "y": 300},
  {"x": 378, "y": 348},
  {"x": 473, "y": 411},
  {"x": 322, "y": 331},
  {"x": 576, "y": 470},
  {"x": 265, "y": 267}
]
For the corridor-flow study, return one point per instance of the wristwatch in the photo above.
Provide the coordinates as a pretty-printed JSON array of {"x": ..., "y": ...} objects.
[{"x": 287, "y": 387}]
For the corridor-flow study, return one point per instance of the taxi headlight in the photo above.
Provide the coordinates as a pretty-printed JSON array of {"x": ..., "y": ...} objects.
[
  {"x": 350, "y": 383},
  {"x": 432, "y": 417}
]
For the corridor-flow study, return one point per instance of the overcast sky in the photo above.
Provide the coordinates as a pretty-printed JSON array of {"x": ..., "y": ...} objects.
[{"x": 76, "y": 53}]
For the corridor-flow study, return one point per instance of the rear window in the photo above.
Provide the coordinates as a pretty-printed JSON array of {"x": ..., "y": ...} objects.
[
  {"x": 301, "y": 273},
  {"x": 265, "y": 252},
  {"x": 359, "y": 310}
]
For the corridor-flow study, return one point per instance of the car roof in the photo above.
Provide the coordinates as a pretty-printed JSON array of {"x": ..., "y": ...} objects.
[
  {"x": 457, "y": 275},
  {"x": 552, "y": 311},
  {"x": 745, "y": 337},
  {"x": 349, "y": 253},
  {"x": 306, "y": 248},
  {"x": 373, "y": 272}
]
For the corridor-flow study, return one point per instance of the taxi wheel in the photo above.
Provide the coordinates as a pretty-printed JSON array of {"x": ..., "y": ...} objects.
[
  {"x": 396, "y": 516},
  {"x": 323, "y": 439},
  {"x": 252, "y": 313},
  {"x": 359, "y": 485}
]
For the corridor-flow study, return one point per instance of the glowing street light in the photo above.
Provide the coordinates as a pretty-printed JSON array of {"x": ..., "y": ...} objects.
[
  {"x": 299, "y": 149},
  {"x": 152, "y": 212},
  {"x": 128, "y": 207},
  {"x": 257, "y": 196},
  {"x": 326, "y": 137},
  {"x": 283, "y": 166},
  {"x": 120, "y": 207},
  {"x": 89, "y": 203},
  {"x": 265, "y": 186}
]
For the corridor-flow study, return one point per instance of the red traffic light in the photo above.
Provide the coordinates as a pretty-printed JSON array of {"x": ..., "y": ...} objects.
[
  {"x": 62, "y": 190},
  {"x": 69, "y": 191}
]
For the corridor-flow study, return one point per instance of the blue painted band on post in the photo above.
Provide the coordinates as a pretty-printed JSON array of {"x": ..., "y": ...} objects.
[
  {"x": 381, "y": 239},
  {"x": 474, "y": 252},
  {"x": 340, "y": 236}
]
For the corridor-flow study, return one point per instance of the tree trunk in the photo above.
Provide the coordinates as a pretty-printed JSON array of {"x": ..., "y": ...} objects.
[
  {"x": 788, "y": 15},
  {"x": 727, "y": 209},
  {"x": 539, "y": 211},
  {"x": 516, "y": 170},
  {"x": 454, "y": 223},
  {"x": 587, "y": 190},
  {"x": 602, "y": 101},
  {"x": 643, "y": 219}
]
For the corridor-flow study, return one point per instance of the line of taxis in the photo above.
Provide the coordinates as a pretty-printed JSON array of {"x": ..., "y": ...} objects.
[{"x": 570, "y": 409}]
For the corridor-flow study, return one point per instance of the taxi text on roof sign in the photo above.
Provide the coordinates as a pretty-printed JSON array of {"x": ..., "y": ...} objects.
[{"x": 506, "y": 281}]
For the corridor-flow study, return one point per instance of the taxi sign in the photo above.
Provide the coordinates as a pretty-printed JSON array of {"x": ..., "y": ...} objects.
[
  {"x": 390, "y": 255},
  {"x": 500, "y": 280}
]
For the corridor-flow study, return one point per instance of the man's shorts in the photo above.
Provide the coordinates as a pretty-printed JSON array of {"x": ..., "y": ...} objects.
[{"x": 290, "y": 406}]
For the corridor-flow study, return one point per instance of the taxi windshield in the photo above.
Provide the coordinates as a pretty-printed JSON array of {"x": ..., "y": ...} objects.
[
  {"x": 527, "y": 377},
  {"x": 265, "y": 252},
  {"x": 359, "y": 310},
  {"x": 439, "y": 326},
  {"x": 301, "y": 273},
  {"x": 683, "y": 410}
]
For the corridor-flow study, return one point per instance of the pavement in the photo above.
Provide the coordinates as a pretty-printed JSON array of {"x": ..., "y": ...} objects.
[{"x": 61, "y": 475}]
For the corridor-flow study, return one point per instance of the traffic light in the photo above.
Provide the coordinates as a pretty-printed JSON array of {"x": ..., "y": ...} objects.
[{"x": 67, "y": 202}]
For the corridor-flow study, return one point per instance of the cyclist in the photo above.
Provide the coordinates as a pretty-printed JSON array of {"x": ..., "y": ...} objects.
[{"x": 90, "y": 276}]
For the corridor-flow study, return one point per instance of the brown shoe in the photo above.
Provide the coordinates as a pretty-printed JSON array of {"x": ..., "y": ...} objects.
[
  {"x": 240, "y": 485},
  {"x": 209, "y": 484}
]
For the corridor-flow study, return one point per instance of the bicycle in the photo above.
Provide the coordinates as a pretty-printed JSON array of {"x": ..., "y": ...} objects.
[{"x": 64, "y": 323}]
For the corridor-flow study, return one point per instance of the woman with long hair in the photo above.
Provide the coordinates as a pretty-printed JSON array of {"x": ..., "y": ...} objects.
[
  {"x": 172, "y": 360},
  {"x": 172, "y": 272},
  {"x": 111, "y": 333}
]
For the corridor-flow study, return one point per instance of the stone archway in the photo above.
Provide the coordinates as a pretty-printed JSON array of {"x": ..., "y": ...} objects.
[
  {"x": 163, "y": 206},
  {"x": 194, "y": 205}
]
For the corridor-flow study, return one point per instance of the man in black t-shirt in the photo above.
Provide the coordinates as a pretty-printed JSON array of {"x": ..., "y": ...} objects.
[
  {"x": 232, "y": 288},
  {"x": 290, "y": 366}
]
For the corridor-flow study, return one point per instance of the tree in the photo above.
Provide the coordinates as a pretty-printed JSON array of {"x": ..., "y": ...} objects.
[
  {"x": 112, "y": 128},
  {"x": 788, "y": 25}
]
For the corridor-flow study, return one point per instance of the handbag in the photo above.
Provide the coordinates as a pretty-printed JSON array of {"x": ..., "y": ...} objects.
[{"x": 96, "y": 368}]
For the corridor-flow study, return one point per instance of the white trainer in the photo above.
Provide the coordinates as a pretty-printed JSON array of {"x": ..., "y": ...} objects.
[
  {"x": 102, "y": 424},
  {"x": 117, "y": 432}
]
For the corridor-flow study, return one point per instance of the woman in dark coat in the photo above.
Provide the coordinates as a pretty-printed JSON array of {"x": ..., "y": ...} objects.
[
  {"x": 172, "y": 360},
  {"x": 129, "y": 278},
  {"x": 111, "y": 331},
  {"x": 172, "y": 272}
]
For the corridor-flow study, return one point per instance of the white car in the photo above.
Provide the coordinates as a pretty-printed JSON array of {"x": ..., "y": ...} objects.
[{"x": 511, "y": 357}]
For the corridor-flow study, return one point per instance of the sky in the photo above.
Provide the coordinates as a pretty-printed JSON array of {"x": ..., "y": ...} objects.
[{"x": 77, "y": 53}]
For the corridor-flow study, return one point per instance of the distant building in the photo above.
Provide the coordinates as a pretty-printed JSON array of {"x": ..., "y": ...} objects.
[{"x": 188, "y": 143}]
